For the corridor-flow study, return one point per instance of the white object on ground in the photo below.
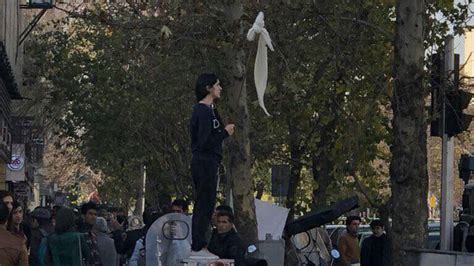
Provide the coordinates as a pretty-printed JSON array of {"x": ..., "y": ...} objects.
[{"x": 271, "y": 219}]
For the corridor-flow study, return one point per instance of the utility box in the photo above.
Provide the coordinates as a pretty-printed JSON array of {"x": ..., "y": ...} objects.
[
  {"x": 273, "y": 251},
  {"x": 424, "y": 257}
]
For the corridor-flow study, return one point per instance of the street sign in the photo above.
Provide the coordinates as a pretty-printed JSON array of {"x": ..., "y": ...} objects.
[
  {"x": 17, "y": 163},
  {"x": 433, "y": 201}
]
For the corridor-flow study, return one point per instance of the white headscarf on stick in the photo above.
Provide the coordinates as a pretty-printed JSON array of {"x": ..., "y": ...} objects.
[{"x": 261, "y": 62}]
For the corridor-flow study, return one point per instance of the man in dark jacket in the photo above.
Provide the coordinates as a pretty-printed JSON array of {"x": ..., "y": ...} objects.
[
  {"x": 225, "y": 242},
  {"x": 41, "y": 228},
  {"x": 376, "y": 248}
]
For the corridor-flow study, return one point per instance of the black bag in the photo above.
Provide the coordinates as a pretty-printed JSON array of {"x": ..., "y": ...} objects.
[{"x": 321, "y": 216}]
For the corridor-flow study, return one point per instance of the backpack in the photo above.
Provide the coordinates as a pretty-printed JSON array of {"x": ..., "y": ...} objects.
[{"x": 41, "y": 253}]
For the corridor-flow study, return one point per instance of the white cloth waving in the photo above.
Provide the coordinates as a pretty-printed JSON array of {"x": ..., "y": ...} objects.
[{"x": 261, "y": 62}]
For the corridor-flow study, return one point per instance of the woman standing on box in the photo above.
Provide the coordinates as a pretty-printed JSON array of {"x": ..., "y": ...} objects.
[{"x": 207, "y": 134}]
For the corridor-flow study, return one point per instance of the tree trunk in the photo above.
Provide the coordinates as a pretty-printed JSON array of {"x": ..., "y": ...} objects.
[
  {"x": 295, "y": 170},
  {"x": 408, "y": 169},
  {"x": 140, "y": 204},
  {"x": 239, "y": 143},
  {"x": 322, "y": 173},
  {"x": 321, "y": 162}
]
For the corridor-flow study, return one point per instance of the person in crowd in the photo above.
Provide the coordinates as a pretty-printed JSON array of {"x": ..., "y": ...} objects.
[
  {"x": 107, "y": 252},
  {"x": 376, "y": 249},
  {"x": 179, "y": 206},
  {"x": 21, "y": 223},
  {"x": 66, "y": 246},
  {"x": 16, "y": 226},
  {"x": 207, "y": 134},
  {"x": 53, "y": 215},
  {"x": 134, "y": 235},
  {"x": 348, "y": 244},
  {"x": 102, "y": 212},
  {"x": 89, "y": 216},
  {"x": 121, "y": 217},
  {"x": 134, "y": 222},
  {"x": 7, "y": 198},
  {"x": 41, "y": 228},
  {"x": 226, "y": 243},
  {"x": 110, "y": 218},
  {"x": 117, "y": 231},
  {"x": 137, "y": 258},
  {"x": 12, "y": 249},
  {"x": 220, "y": 208}
]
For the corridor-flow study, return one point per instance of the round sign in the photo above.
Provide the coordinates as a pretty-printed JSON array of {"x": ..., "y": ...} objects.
[{"x": 17, "y": 163}]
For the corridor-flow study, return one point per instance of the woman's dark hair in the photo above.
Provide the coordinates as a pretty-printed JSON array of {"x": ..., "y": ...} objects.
[
  {"x": 5, "y": 193},
  {"x": 150, "y": 215},
  {"x": 65, "y": 220},
  {"x": 4, "y": 213},
  {"x": 203, "y": 81},
  {"x": 16, "y": 205}
]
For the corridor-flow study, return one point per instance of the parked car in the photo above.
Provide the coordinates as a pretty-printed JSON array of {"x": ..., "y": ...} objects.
[
  {"x": 331, "y": 227},
  {"x": 434, "y": 235},
  {"x": 336, "y": 230}
]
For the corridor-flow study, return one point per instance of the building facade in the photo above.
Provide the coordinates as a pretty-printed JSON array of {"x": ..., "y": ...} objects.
[{"x": 11, "y": 63}]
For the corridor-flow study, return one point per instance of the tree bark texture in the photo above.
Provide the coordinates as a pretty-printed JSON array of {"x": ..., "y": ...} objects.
[
  {"x": 296, "y": 154},
  {"x": 408, "y": 168},
  {"x": 239, "y": 144},
  {"x": 322, "y": 172},
  {"x": 322, "y": 164}
]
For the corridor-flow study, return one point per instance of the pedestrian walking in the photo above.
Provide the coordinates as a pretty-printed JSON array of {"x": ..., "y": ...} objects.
[
  {"x": 41, "y": 229},
  {"x": 66, "y": 246},
  {"x": 105, "y": 244}
]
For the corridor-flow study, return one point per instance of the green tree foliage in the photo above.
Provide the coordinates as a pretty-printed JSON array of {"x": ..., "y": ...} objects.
[
  {"x": 118, "y": 82},
  {"x": 328, "y": 92}
]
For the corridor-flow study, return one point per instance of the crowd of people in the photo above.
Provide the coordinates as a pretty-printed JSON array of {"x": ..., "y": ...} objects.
[
  {"x": 373, "y": 251},
  {"x": 95, "y": 235},
  {"x": 376, "y": 249}
]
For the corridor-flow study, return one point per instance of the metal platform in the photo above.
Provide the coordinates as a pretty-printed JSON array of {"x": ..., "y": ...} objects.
[{"x": 204, "y": 262}]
